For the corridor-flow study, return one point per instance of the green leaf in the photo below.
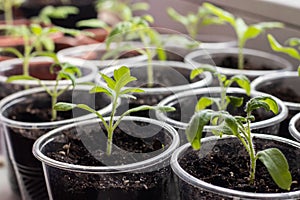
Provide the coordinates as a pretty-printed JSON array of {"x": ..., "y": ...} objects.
[
  {"x": 99, "y": 89},
  {"x": 204, "y": 102},
  {"x": 195, "y": 127},
  {"x": 118, "y": 73},
  {"x": 236, "y": 101},
  {"x": 61, "y": 106},
  {"x": 299, "y": 71},
  {"x": 109, "y": 81},
  {"x": 36, "y": 29},
  {"x": 93, "y": 23},
  {"x": 293, "y": 42},
  {"x": 287, "y": 50},
  {"x": 268, "y": 103},
  {"x": 20, "y": 77},
  {"x": 277, "y": 166},
  {"x": 48, "y": 43},
  {"x": 146, "y": 107},
  {"x": 243, "y": 82},
  {"x": 200, "y": 70},
  {"x": 177, "y": 17},
  {"x": 14, "y": 51},
  {"x": 241, "y": 29},
  {"x": 132, "y": 90},
  {"x": 222, "y": 14}
]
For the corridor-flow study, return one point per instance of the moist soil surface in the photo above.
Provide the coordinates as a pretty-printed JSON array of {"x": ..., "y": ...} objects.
[
  {"x": 163, "y": 78},
  {"x": 151, "y": 184},
  {"x": 227, "y": 165},
  {"x": 232, "y": 63},
  {"x": 282, "y": 91}
]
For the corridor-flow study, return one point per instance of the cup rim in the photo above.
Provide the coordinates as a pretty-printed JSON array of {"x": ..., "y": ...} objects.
[
  {"x": 179, "y": 171},
  {"x": 48, "y": 137}
]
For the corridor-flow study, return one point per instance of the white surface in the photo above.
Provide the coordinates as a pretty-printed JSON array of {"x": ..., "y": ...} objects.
[{"x": 5, "y": 190}]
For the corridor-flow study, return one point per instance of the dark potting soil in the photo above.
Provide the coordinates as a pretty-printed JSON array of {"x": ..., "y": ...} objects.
[
  {"x": 72, "y": 148},
  {"x": 282, "y": 91},
  {"x": 40, "y": 70},
  {"x": 232, "y": 63},
  {"x": 227, "y": 165},
  {"x": 163, "y": 77}
]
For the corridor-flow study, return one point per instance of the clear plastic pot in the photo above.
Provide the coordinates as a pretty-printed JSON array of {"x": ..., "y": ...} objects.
[
  {"x": 90, "y": 55},
  {"x": 177, "y": 45},
  {"x": 215, "y": 56},
  {"x": 284, "y": 85},
  {"x": 191, "y": 187},
  {"x": 39, "y": 67},
  {"x": 21, "y": 130},
  {"x": 127, "y": 177},
  {"x": 294, "y": 127},
  {"x": 185, "y": 103}
]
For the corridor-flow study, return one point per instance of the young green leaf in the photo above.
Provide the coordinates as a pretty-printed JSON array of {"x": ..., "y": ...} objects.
[
  {"x": 195, "y": 127},
  {"x": 64, "y": 106},
  {"x": 205, "y": 102},
  {"x": 268, "y": 103},
  {"x": 235, "y": 101},
  {"x": 277, "y": 166},
  {"x": 242, "y": 30},
  {"x": 243, "y": 82},
  {"x": 279, "y": 48}
]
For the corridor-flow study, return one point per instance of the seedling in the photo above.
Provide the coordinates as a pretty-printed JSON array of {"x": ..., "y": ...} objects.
[
  {"x": 139, "y": 28},
  {"x": 238, "y": 126},
  {"x": 114, "y": 89},
  {"x": 7, "y": 6},
  {"x": 224, "y": 83},
  {"x": 243, "y": 31},
  {"x": 66, "y": 72},
  {"x": 122, "y": 9},
  {"x": 293, "y": 48},
  {"x": 194, "y": 22},
  {"x": 37, "y": 42},
  {"x": 51, "y": 12}
]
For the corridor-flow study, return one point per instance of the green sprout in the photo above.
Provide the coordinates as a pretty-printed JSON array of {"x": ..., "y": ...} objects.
[
  {"x": 48, "y": 12},
  {"x": 243, "y": 31},
  {"x": 7, "y": 6},
  {"x": 115, "y": 89},
  {"x": 139, "y": 28},
  {"x": 238, "y": 126},
  {"x": 194, "y": 22},
  {"x": 66, "y": 72},
  {"x": 224, "y": 100},
  {"x": 122, "y": 9},
  {"x": 293, "y": 48},
  {"x": 37, "y": 42}
]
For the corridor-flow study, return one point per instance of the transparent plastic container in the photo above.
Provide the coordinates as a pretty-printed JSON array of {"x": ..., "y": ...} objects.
[
  {"x": 215, "y": 56},
  {"x": 191, "y": 187},
  {"x": 185, "y": 103},
  {"x": 21, "y": 130},
  {"x": 136, "y": 175},
  {"x": 91, "y": 55},
  {"x": 286, "y": 86},
  {"x": 294, "y": 126}
]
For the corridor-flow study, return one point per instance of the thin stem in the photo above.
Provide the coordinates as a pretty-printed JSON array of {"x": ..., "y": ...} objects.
[
  {"x": 149, "y": 69},
  {"x": 110, "y": 130},
  {"x": 251, "y": 153},
  {"x": 223, "y": 93},
  {"x": 8, "y": 13},
  {"x": 241, "y": 56}
]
